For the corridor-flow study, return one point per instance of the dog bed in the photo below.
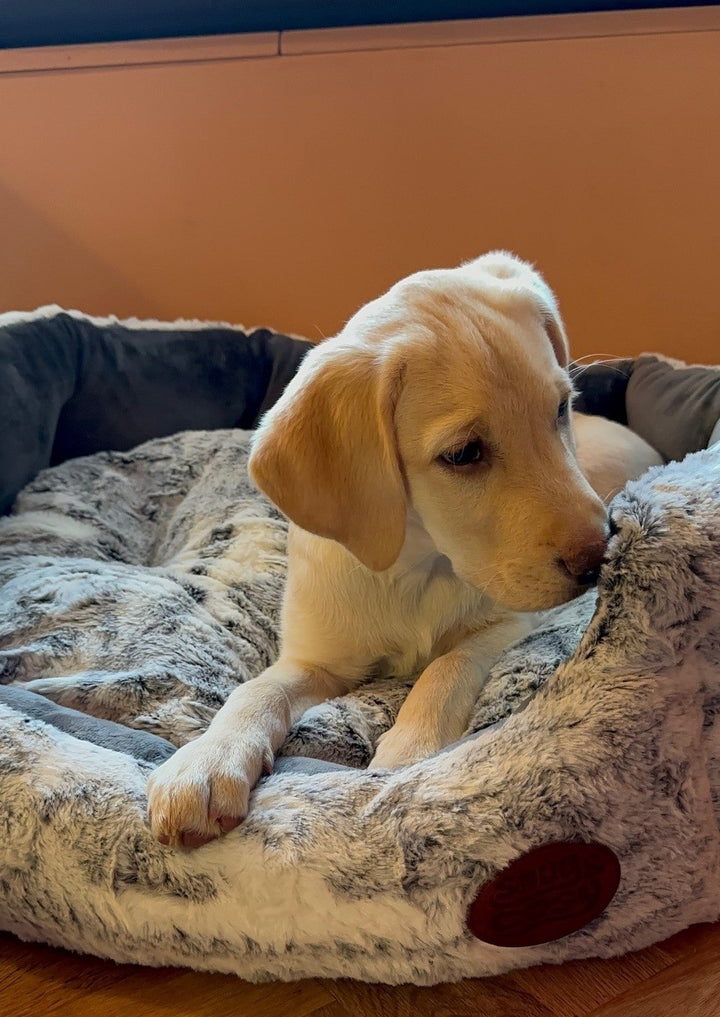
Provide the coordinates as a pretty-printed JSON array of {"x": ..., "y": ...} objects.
[{"x": 140, "y": 582}]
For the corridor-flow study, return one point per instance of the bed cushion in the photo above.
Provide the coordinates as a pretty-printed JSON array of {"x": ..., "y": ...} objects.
[
  {"x": 141, "y": 586},
  {"x": 674, "y": 406},
  {"x": 138, "y": 587},
  {"x": 71, "y": 384}
]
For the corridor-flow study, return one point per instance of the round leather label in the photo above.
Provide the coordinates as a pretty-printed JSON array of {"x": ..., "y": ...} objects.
[{"x": 545, "y": 894}]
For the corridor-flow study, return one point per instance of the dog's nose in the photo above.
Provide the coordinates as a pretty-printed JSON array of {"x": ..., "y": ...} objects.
[{"x": 584, "y": 564}]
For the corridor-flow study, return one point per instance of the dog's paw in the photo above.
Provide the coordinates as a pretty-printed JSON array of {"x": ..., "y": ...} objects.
[
  {"x": 202, "y": 791},
  {"x": 401, "y": 746}
]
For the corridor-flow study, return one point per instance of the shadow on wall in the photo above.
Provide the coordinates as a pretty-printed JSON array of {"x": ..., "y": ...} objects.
[{"x": 33, "y": 247}]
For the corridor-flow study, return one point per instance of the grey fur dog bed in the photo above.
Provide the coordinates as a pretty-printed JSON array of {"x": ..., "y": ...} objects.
[{"x": 139, "y": 585}]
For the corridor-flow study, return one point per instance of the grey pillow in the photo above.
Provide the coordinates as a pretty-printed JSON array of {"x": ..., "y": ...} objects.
[{"x": 673, "y": 406}]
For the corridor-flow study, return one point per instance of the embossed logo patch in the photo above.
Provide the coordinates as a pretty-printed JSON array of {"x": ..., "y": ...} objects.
[{"x": 551, "y": 891}]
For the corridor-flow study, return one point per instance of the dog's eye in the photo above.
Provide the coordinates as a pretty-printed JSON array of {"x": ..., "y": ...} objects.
[
  {"x": 563, "y": 410},
  {"x": 469, "y": 455}
]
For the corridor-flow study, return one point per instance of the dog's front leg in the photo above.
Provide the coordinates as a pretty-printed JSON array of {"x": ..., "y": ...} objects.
[
  {"x": 438, "y": 707},
  {"x": 202, "y": 791}
]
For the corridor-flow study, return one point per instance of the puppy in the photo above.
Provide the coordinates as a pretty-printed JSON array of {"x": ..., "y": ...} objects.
[{"x": 426, "y": 459}]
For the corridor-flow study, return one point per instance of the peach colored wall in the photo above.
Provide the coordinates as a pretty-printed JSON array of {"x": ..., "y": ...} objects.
[{"x": 289, "y": 189}]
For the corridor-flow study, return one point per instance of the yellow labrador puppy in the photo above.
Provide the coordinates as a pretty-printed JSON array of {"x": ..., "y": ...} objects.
[{"x": 426, "y": 459}]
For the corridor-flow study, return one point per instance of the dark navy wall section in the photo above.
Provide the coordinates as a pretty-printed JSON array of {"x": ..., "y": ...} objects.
[{"x": 59, "y": 22}]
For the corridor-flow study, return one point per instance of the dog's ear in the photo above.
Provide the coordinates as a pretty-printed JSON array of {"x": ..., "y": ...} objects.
[
  {"x": 515, "y": 276},
  {"x": 326, "y": 453},
  {"x": 552, "y": 323}
]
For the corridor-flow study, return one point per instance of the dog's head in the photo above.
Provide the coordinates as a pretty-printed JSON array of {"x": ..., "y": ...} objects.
[{"x": 449, "y": 394}]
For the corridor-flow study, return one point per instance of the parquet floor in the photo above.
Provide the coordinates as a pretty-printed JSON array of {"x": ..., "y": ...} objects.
[{"x": 677, "y": 978}]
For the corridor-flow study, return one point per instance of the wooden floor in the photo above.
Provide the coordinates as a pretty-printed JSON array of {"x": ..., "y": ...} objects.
[{"x": 677, "y": 978}]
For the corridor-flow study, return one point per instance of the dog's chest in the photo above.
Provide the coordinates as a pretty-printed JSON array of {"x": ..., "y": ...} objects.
[{"x": 433, "y": 614}]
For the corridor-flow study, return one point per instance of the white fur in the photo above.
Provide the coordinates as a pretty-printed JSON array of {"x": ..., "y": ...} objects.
[{"x": 103, "y": 321}]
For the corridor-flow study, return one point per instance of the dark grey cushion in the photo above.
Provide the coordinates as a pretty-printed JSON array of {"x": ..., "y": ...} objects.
[
  {"x": 672, "y": 406},
  {"x": 70, "y": 387},
  {"x": 138, "y": 744},
  {"x": 601, "y": 388}
]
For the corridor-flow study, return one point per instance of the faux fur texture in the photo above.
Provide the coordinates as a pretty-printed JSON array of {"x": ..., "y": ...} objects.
[{"x": 142, "y": 586}]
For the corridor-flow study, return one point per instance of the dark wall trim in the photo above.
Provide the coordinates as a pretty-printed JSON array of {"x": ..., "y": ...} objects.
[{"x": 63, "y": 22}]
